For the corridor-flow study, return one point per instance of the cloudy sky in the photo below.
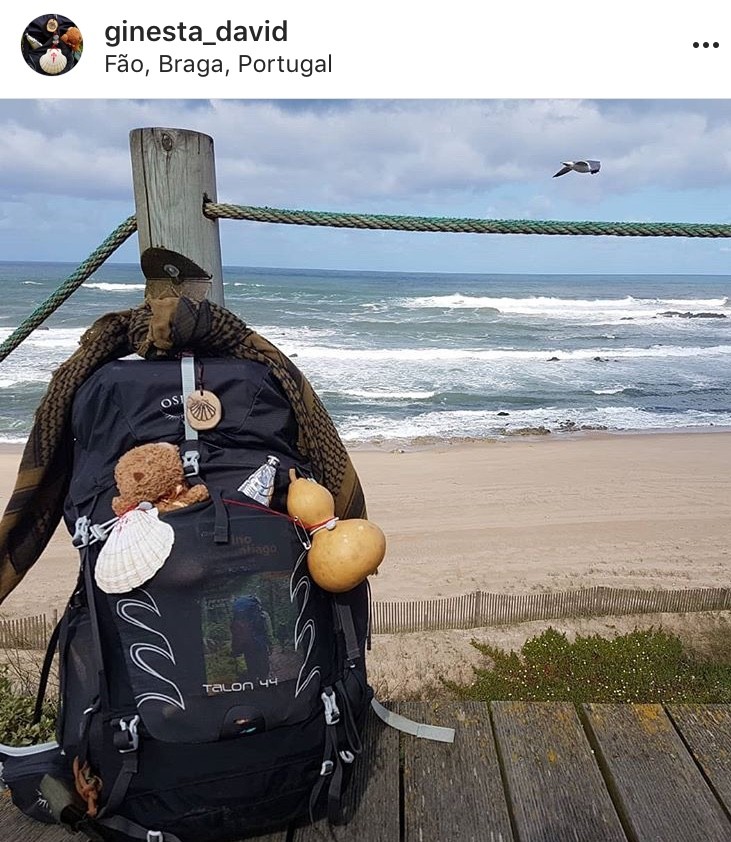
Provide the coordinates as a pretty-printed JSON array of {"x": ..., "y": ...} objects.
[{"x": 65, "y": 178}]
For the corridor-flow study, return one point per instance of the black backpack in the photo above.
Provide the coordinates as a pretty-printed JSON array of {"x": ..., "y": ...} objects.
[{"x": 227, "y": 694}]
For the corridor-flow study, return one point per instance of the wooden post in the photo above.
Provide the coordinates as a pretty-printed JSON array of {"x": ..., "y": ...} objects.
[{"x": 174, "y": 172}]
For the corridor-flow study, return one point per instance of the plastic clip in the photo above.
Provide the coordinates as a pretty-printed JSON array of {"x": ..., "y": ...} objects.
[
  {"x": 155, "y": 836},
  {"x": 332, "y": 714},
  {"x": 80, "y": 538},
  {"x": 191, "y": 463},
  {"x": 127, "y": 739},
  {"x": 326, "y": 768}
]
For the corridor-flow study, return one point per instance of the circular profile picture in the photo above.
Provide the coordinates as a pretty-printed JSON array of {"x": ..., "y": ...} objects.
[{"x": 52, "y": 45}]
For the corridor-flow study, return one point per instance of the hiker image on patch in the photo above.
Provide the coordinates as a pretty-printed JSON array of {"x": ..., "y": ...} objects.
[{"x": 249, "y": 636}]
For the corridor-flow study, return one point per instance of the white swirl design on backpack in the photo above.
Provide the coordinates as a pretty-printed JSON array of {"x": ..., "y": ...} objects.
[
  {"x": 137, "y": 651},
  {"x": 309, "y": 626}
]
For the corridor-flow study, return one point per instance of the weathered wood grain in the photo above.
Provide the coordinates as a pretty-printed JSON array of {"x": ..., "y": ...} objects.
[
  {"x": 657, "y": 787},
  {"x": 652, "y": 766},
  {"x": 706, "y": 731},
  {"x": 372, "y": 801},
  {"x": 453, "y": 791},
  {"x": 172, "y": 171},
  {"x": 555, "y": 789}
]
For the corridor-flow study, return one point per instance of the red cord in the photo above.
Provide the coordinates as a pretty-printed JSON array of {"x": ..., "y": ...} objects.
[{"x": 262, "y": 509}]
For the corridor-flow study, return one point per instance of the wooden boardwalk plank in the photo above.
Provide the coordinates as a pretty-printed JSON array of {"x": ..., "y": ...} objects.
[
  {"x": 453, "y": 791},
  {"x": 706, "y": 730},
  {"x": 555, "y": 789},
  {"x": 659, "y": 790},
  {"x": 372, "y": 800}
]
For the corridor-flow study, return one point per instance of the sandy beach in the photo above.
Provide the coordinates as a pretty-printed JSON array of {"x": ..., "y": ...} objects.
[{"x": 550, "y": 513}]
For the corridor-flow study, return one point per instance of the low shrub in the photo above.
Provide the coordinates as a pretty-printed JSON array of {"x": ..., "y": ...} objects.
[
  {"x": 16, "y": 715},
  {"x": 642, "y": 666}
]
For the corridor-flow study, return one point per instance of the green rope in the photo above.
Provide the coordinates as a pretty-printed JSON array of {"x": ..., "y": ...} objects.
[
  {"x": 463, "y": 226},
  {"x": 72, "y": 283}
]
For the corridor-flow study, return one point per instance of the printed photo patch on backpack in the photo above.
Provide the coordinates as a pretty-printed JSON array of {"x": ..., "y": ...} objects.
[{"x": 249, "y": 631}]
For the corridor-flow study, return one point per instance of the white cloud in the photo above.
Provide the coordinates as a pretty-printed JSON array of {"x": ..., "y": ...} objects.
[
  {"x": 371, "y": 151},
  {"x": 65, "y": 174}
]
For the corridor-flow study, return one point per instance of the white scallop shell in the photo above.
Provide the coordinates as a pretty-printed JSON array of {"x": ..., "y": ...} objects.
[
  {"x": 53, "y": 61},
  {"x": 135, "y": 550}
]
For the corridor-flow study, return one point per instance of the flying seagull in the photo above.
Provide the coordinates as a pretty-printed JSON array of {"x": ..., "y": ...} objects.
[{"x": 579, "y": 166}]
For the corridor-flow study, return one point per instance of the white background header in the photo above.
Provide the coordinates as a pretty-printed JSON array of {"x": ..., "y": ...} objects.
[{"x": 382, "y": 49}]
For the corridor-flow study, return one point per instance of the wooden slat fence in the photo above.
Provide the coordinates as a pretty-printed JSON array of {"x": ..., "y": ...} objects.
[
  {"x": 468, "y": 611},
  {"x": 27, "y": 632},
  {"x": 479, "y": 609}
]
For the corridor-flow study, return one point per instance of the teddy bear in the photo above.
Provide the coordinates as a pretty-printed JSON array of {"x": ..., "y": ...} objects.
[{"x": 154, "y": 473}]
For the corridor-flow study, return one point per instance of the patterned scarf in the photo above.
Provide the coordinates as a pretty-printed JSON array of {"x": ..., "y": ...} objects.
[{"x": 159, "y": 329}]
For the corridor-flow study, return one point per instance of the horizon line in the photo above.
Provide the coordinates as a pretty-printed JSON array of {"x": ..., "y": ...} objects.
[{"x": 381, "y": 271}]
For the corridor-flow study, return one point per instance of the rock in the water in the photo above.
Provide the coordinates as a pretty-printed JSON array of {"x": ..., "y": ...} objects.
[
  {"x": 689, "y": 315},
  {"x": 503, "y": 413},
  {"x": 553, "y": 359},
  {"x": 567, "y": 426},
  {"x": 528, "y": 431}
]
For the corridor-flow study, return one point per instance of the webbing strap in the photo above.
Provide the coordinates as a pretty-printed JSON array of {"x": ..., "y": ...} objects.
[
  {"x": 347, "y": 720},
  {"x": 187, "y": 376},
  {"x": 46, "y": 671},
  {"x": 329, "y": 760},
  {"x": 136, "y": 831},
  {"x": 221, "y": 527},
  {"x": 408, "y": 726},
  {"x": 98, "y": 653},
  {"x": 121, "y": 783},
  {"x": 345, "y": 615}
]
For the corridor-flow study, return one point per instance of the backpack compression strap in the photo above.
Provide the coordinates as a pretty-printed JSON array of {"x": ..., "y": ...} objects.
[
  {"x": 134, "y": 830},
  {"x": 408, "y": 726}
]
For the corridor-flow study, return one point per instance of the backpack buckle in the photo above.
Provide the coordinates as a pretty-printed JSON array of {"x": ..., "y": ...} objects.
[
  {"x": 127, "y": 738},
  {"x": 332, "y": 713},
  {"x": 326, "y": 768},
  {"x": 191, "y": 463},
  {"x": 87, "y": 533},
  {"x": 155, "y": 836},
  {"x": 80, "y": 538}
]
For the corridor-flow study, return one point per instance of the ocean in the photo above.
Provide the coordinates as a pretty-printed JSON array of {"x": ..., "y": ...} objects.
[{"x": 424, "y": 357}]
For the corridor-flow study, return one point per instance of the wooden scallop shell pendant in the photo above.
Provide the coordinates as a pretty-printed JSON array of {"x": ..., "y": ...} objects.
[{"x": 202, "y": 409}]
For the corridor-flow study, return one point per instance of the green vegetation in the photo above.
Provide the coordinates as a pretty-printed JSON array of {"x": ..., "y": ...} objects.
[
  {"x": 16, "y": 714},
  {"x": 642, "y": 666}
]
